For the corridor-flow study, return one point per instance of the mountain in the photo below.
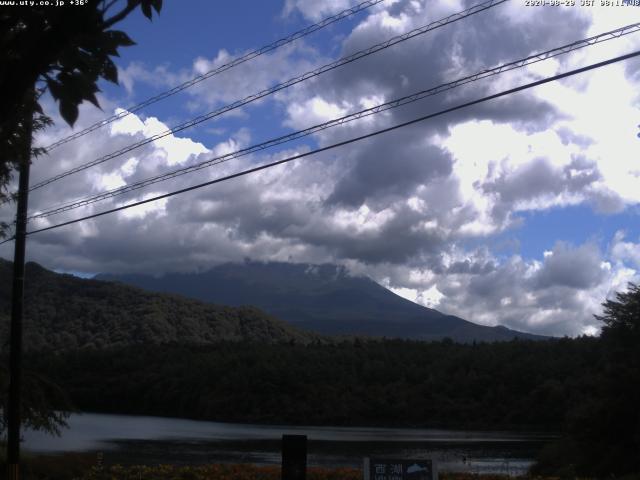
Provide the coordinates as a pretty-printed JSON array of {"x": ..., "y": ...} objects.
[
  {"x": 320, "y": 298},
  {"x": 63, "y": 312}
]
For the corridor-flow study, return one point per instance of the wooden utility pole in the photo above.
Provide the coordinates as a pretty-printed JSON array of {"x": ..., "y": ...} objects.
[{"x": 17, "y": 299}]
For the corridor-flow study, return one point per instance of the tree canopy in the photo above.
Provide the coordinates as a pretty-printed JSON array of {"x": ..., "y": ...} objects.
[
  {"x": 622, "y": 315},
  {"x": 64, "y": 51},
  {"x": 603, "y": 428}
]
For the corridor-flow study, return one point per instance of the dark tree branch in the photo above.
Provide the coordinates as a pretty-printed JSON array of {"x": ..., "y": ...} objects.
[
  {"x": 120, "y": 16},
  {"x": 108, "y": 5}
]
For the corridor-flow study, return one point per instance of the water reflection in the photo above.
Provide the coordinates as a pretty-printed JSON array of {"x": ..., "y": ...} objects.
[{"x": 138, "y": 439}]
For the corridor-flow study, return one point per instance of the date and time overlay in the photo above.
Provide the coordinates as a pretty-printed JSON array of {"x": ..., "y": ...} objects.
[
  {"x": 581, "y": 3},
  {"x": 525, "y": 3}
]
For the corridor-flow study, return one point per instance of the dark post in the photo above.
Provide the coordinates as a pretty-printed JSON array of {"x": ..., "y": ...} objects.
[
  {"x": 294, "y": 457},
  {"x": 17, "y": 300}
]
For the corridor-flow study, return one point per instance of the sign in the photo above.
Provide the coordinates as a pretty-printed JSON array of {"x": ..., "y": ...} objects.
[{"x": 386, "y": 469}]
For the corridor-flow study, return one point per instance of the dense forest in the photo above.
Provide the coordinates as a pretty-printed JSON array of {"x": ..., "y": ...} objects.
[
  {"x": 103, "y": 347},
  {"x": 587, "y": 389},
  {"x": 519, "y": 384}
]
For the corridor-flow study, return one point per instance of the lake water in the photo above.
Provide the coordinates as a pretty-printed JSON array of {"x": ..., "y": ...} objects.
[{"x": 151, "y": 440}]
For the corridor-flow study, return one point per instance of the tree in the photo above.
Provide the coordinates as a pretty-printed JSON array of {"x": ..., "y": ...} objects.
[
  {"x": 63, "y": 50},
  {"x": 46, "y": 407},
  {"x": 621, "y": 317},
  {"x": 616, "y": 423},
  {"x": 603, "y": 429},
  {"x": 12, "y": 147}
]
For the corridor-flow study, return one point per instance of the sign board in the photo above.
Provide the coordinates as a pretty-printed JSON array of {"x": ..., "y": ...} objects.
[{"x": 386, "y": 469}]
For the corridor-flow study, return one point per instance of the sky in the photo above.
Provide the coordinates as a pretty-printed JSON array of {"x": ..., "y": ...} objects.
[{"x": 521, "y": 211}]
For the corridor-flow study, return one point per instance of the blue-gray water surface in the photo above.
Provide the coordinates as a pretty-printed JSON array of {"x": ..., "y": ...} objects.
[{"x": 152, "y": 440}]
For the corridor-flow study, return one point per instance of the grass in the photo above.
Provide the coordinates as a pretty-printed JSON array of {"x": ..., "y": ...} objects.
[{"x": 83, "y": 466}]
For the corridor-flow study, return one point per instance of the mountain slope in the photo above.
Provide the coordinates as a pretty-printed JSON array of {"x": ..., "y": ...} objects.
[
  {"x": 63, "y": 312},
  {"x": 320, "y": 298}
]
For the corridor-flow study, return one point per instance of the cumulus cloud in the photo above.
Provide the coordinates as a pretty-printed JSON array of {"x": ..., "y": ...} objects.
[
  {"x": 558, "y": 294},
  {"x": 625, "y": 252},
  {"x": 578, "y": 268},
  {"x": 315, "y": 11},
  {"x": 416, "y": 209}
]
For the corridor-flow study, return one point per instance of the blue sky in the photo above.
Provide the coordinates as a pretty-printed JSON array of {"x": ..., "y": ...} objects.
[
  {"x": 521, "y": 212},
  {"x": 574, "y": 225},
  {"x": 184, "y": 32}
]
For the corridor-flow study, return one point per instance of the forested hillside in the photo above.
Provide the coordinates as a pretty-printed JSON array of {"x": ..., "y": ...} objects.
[
  {"x": 63, "y": 312},
  {"x": 116, "y": 348},
  {"x": 520, "y": 384}
]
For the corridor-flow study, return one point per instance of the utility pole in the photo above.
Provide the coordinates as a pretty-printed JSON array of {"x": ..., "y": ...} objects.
[{"x": 17, "y": 300}]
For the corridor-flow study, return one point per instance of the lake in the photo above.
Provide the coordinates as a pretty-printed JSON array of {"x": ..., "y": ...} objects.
[{"x": 138, "y": 439}]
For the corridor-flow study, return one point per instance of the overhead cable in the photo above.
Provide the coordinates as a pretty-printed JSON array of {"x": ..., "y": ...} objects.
[
  {"x": 222, "y": 68},
  {"x": 345, "y": 142},
  {"x": 281, "y": 86},
  {"x": 531, "y": 59}
]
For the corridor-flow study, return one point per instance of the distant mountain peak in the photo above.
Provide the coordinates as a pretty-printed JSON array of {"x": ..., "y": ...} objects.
[{"x": 324, "y": 298}]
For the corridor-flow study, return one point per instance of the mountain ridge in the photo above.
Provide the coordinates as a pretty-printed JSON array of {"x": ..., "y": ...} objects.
[
  {"x": 324, "y": 299},
  {"x": 64, "y": 312}
]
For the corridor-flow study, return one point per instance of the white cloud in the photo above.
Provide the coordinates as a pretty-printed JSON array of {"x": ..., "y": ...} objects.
[
  {"x": 625, "y": 252},
  {"x": 137, "y": 73},
  {"x": 111, "y": 181},
  {"x": 140, "y": 212},
  {"x": 399, "y": 206},
  {"x": 560, "y": 294},
  {"x": 248, "y": 78},
  {"x": 315, "y": 11},
  {"x": 313, "y": 111},
  {"x": 177, "y": 150}
]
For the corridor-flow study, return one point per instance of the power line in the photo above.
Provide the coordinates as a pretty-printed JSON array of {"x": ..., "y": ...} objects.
[
  {"x": 531, "y": 59},
  {"x": 13, "y": 237},
  {"x": 346, "y": 142},
  {"x": 222, "y": 68},
  {"x": 281, "y": 86}
]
